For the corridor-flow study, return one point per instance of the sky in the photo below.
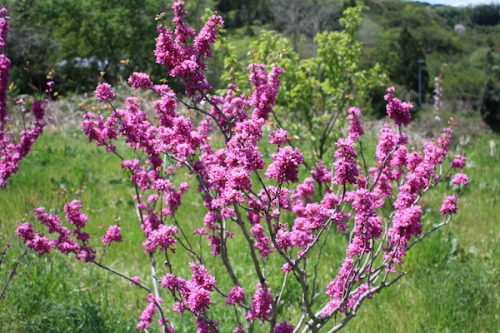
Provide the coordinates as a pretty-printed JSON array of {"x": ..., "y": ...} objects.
[{"x": 461, "y": 2}]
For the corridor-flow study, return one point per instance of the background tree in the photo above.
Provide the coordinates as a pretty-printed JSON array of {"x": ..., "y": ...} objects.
[
  {"x": 410, "y": 53},
  {"x": 240, "y": 13},
  {"x": 489, "y": 101},
  {"x": 315, "y": 92},
  {"x": 295, "y": 18},
  {"x": 486, "y": 14}
]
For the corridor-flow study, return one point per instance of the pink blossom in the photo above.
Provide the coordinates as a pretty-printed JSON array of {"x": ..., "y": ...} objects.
[
  {"x": 135, "y": 280},
  {"x": 146, "y": 316},
  {"x": 4, "y": 27},
  {"x": 172, "y": 282},
  {"x": 368, "y": 225},
  {"x": 182, "y": 31},
  {"x": 207, "y": 36},
  {"x": 458, "y": 162},
  {"x": 74, "y": 215},
  {"x": 399, "y": 112},
  {"x": 40, "y": 244},
  {"x": 285, "y": 164},
  {"x": 25, "y": 231},
  {"x": 67, "y": 241},
  {"x": 346, "y": 169},
  {"x": 195, "y": 291},
  {"x": 355, "y": 298},
  {"x": 103, "y": 92},
  {"x": 198, "y": 299},
  {"x": 303, "y": 192},
  {"x": 162, "y": 237},
  {"x": 204, "y": 325},
  {"x": 278, "y": 137},
  {"x": 265, "y": 89},
  {"x": 4, "y": 81},
  {"x": 139, "y": 80},
  {"x": 337, "y": 286},
  {"x": 286, "y": 268},
  {"x": 200, "y": 277},
  {"x": 284, "y": 327},
  {"x": 407, "y": 223},
  {"x": 261, "y": 304},
  {"x": 262, "y": 242},
  {"x": 460, "y": 179},
  {"x": 181, "y": 60},
  {"x": 14, "y": 149},
  {"x": 449, "y": 205},
  {"x": 321, "y": 173},
  {"x": 387, "y": 142},
  {"x": 235, "y": 295},
  {"x": 113, "y": 234},
  {"x": 221, "y": 149},
  {"x": 355, "y": 128},
  {"x": 436, "y": 151},
  {"x": 413, "y": 159},
  {"x": 167, "y": 51},
  {"x": 85, "y": 253},
  {"x": 100, "y": 130}
]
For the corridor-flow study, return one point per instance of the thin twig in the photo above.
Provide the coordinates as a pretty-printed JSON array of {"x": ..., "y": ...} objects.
[{"x": 12, "y": 273}]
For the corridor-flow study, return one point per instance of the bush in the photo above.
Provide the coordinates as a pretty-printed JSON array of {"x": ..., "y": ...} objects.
[
  {"x": 489, "y": 104},
  {"x": 257, "y": 213}
]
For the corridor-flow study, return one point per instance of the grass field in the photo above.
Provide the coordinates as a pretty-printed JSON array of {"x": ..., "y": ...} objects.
[{"x": 452, "y": 283}]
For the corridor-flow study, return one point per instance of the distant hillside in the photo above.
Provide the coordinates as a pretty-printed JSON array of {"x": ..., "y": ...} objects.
[{"x": 459, "y": 44}]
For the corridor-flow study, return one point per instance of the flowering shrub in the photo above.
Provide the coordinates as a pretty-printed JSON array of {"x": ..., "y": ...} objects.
[
  {"x": 265, "y": 203},
  {"x": 13, "y": 149}
]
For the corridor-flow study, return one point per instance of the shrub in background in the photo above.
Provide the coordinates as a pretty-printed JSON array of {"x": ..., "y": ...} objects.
[{"x": 489, "y": 103}]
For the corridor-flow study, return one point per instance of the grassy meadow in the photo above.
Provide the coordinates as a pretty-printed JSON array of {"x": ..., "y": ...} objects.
[{"x": 451, "y": 283}]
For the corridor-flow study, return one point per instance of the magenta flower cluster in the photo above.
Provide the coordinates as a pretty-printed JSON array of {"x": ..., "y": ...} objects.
[
  {"x": 104, "y": 93},
  {"x": 398, "y": 111},
  {"x": 114, "y": 234},
  {"x": 256, "y": 195},
  {"x": 71, "y": 239},
  {"x": 184, "y": 61},
  {"x": 460, "y": 179}
]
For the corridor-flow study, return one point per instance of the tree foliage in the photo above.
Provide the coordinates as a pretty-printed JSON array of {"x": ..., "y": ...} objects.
[
  {"x": 489, "y": 103},
  {"x": 486, "y": 14},
  {"x": 316, "y": 91},
  {"x": 410, "y": 53}
]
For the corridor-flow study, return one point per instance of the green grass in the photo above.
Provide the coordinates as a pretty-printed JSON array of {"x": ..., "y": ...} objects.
[{"x": 451, "y": 285}]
